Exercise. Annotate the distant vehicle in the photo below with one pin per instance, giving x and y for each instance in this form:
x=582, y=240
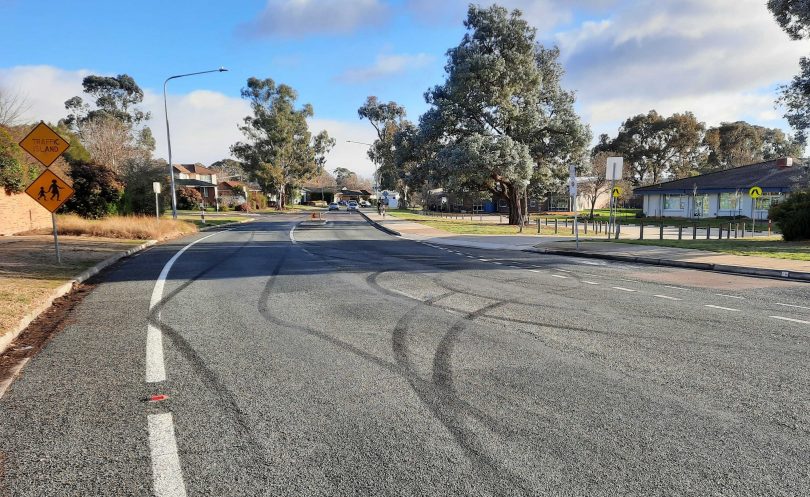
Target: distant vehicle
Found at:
x=343, y=202
x=365, y=203
x=352, y=206
x=334, y=207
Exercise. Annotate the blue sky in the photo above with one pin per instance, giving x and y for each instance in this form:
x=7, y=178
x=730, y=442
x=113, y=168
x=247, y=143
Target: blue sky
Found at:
x=720, y=59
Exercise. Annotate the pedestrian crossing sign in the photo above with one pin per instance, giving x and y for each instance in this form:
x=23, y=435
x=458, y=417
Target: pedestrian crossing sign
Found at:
x=49, y=190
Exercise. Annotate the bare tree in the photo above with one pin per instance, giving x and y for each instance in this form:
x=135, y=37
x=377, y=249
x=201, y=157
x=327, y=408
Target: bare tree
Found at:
x=12, y=107
x=110, y=142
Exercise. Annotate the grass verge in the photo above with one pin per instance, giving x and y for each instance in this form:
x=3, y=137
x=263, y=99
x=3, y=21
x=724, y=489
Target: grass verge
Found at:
x=29, y=271
x=125, y=227
x=463, y=227
x=762, y=247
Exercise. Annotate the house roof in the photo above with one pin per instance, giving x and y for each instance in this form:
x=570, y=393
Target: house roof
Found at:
x=193, y=182
x=193, y=169
x=771, y=176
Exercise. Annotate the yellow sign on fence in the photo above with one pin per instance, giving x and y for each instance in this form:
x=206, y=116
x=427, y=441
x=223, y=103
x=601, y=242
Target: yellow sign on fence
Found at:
x=49, y=190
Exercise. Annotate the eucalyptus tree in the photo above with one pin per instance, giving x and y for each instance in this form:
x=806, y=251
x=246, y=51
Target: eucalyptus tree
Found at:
x=280, y=152
x=501, y=115
x=386, y=119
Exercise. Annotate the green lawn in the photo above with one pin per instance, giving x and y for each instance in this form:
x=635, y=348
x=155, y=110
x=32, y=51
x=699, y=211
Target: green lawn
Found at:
x=464, y=227
x=763, y=247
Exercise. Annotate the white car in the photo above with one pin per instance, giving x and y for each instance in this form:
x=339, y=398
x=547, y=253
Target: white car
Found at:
x=352, y=206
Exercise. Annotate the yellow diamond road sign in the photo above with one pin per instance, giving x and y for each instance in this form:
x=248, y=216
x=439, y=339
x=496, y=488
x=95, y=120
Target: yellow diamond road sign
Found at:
x=44, y=144
x=617, y=192
x=49, y=190
x=755, y=192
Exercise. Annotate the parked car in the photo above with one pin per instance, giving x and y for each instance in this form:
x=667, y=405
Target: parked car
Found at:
x=365, y=203
x=352, y=206
x=334, y=207
x=343, y=202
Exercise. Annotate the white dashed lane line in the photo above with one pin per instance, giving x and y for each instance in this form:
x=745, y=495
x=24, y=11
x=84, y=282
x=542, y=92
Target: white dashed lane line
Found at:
x=721, y=307
x=793, y=305
x=559, y=276
x=534, y=270
x=623, y=289
x=791, y=320
x=590, y=282
x=666, y=297
x=676, y=288
x=729, y=296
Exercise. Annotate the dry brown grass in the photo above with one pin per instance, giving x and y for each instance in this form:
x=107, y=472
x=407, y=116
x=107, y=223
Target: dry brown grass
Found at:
x=127, y=227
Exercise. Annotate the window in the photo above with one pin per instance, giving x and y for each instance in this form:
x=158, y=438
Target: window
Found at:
x=674, y=202
x=729, y=201
x=767, y=200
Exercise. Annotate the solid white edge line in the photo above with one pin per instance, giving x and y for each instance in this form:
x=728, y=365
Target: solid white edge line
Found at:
x=623, y=289
x=720, y=307
x=155, y=365
x=292, y=234
x=791, y=320
x=666, y=297
x=167, y=476
x=793, y=305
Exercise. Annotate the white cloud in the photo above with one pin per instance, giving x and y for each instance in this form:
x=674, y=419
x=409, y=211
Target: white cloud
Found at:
x=542, y=14
x=352, y=156
x=298, y=18
x=386, y=65
x=719, y=59
x=203, y=123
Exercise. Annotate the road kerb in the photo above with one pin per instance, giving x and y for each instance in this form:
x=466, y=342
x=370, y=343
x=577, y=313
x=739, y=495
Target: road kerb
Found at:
x=703, y=266
x=379, y=226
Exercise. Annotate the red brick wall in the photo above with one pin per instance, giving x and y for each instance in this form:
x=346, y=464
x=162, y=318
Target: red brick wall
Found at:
x=19, y=212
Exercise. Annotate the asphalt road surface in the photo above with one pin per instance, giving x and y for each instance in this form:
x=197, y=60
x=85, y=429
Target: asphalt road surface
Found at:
x=338, y=360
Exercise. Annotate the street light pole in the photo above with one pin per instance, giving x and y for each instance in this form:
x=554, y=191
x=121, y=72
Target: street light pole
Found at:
x=376, y=170
x=168, y=135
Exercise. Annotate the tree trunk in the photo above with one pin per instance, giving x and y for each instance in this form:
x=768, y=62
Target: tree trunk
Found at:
x=593, y=205
x=282, y=197
x=515, y=209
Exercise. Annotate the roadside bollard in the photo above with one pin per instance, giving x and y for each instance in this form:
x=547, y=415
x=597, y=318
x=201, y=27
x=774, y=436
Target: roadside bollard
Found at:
x=566, y=222
x=694, y=231
x=736, y=230
x=743, y=231
x=720, y=232
x=586, y=226
x=769, y=227
x=680, y=232
x=708, y=232
x=555, y=226
x=728, y=233
x=538, y=226
x=661, y=231
x=641, y=230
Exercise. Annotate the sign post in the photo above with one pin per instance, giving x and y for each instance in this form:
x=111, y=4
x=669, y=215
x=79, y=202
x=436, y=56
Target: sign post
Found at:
x=156, y=189
x=755, y=192
x=613, y=171
x=572, y=190
x=45, y=145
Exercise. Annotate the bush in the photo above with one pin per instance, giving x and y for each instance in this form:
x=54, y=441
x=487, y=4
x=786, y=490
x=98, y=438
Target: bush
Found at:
x=97, y=191
x=188, y=199
x=242, y=207
x=15, y=174
x=793, y=216
x=139, y=197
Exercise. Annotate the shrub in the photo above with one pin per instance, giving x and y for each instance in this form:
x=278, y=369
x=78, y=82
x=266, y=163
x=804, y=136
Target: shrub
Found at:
x=188, y=198
x=15, y=174
x=793, y=216
x=139, y=198
x=97, y=190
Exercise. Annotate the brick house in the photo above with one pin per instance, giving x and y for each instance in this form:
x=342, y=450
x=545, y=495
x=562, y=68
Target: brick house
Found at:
x=199, y=177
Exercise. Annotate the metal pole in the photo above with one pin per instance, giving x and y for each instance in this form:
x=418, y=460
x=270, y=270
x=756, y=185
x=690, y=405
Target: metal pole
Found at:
x=157, y=209
x=56, y=239
x=576, y=222
x=168, y=135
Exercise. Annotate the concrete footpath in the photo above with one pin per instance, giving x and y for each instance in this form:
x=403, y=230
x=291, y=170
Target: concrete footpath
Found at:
x=644, y=254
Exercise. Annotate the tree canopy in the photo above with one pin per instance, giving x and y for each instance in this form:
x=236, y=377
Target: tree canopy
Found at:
x=279, y=152
x=114, y=97
x=502, y=113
